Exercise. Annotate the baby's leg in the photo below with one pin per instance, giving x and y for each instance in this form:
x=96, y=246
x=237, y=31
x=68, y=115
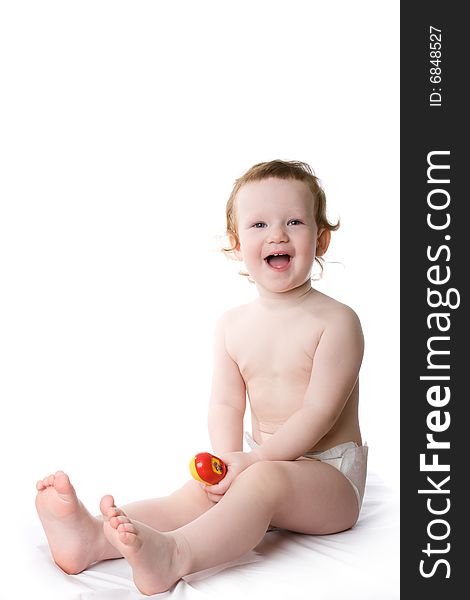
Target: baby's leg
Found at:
x=305, y=496
x=170, y=512
x=76, y=538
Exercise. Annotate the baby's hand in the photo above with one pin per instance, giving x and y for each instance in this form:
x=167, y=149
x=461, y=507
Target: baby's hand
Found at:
x=236, y=463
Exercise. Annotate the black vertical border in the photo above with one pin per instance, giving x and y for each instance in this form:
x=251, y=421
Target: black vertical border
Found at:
x=424, y=129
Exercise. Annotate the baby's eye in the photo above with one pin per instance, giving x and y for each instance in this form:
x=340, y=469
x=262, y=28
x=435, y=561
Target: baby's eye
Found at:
x=295, y=222
x=259, y=225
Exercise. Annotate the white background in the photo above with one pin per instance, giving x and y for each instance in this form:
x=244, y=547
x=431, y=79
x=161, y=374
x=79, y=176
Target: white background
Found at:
x=124, y=126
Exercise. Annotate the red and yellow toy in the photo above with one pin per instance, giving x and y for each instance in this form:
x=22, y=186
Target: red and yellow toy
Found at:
x=207, y=468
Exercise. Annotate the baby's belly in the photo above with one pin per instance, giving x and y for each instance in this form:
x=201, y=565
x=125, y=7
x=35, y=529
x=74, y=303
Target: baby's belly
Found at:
x=263, y=431
x=267, y=417
x=271, y=405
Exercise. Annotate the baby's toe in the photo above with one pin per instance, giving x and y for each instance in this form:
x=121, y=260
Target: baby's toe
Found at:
x=120, y=512
x=114, y=511
x=107, y=506
x=62, y=483
x=128, y=538
x=128, y=533
x=48, y=481
x=127, y=527
x=116, y=521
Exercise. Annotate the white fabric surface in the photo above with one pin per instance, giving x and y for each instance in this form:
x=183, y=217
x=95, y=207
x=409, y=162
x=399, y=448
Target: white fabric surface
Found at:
x=361, y=563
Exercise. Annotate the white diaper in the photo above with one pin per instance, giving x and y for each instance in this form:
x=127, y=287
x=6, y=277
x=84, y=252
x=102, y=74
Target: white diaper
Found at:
x=349, y=458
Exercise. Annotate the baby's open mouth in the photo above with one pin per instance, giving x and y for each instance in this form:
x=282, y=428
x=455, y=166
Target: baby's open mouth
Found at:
x=278, y=261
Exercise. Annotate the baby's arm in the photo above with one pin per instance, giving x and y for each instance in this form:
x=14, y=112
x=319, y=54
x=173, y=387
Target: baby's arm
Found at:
x=335, y=370
x=228, y=399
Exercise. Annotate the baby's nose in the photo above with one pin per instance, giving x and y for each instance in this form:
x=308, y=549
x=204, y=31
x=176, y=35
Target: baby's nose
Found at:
x=277, y=234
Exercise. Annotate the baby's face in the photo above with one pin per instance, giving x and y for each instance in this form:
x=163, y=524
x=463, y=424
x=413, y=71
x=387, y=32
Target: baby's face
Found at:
x=277, y=232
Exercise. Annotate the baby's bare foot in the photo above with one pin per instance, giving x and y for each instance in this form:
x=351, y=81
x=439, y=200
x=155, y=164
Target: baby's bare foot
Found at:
x=155, y=557
x=75, y=537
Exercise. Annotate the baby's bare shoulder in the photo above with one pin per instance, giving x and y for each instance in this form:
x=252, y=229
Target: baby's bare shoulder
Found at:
x=234, y=316
x=334, y=313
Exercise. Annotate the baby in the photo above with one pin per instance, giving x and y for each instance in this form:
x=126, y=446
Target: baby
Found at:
x=296, y=354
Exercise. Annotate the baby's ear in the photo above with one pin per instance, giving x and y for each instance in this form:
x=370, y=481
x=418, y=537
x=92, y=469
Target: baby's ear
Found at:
x=235, y=244
x=323, y=241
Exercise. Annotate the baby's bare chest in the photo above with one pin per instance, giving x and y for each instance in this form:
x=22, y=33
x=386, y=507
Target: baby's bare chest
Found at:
x=274, y=348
